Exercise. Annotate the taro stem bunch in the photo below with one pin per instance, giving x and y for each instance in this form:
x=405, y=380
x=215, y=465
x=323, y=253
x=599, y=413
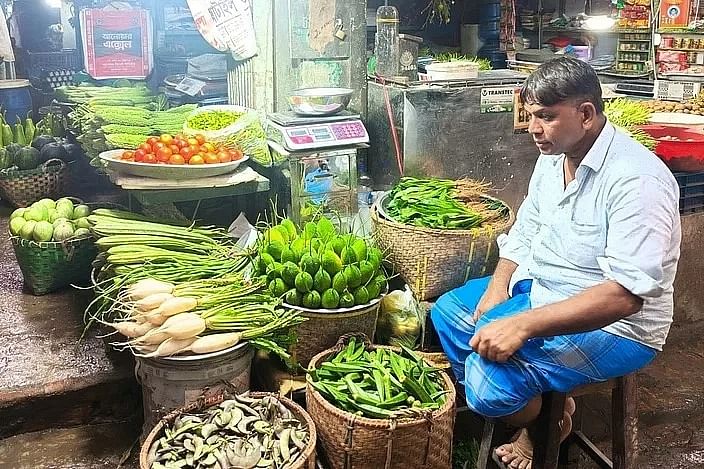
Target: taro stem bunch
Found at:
x=443, y=203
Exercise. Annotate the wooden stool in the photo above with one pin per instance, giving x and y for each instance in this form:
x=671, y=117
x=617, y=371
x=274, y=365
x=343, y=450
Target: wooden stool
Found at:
x=548, y=452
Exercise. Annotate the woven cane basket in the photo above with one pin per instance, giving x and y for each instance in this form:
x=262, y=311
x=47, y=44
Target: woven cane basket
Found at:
x=323, y=328
x=23, y=188
x=352, y=442
x=305, y=461
x=51, y=266
x=434, y=261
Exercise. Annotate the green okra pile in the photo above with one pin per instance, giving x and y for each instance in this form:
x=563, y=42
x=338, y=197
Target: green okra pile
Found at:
x=379, y=384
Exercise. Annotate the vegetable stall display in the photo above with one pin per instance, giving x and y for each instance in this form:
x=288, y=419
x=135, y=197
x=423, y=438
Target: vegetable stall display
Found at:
x=174, y=290
x=381, y=383
x=49, y=220
x=376, y=406
x=334, y=279
x=23, y=145
x=104, y=125
x=442, y=204
x=105, y=95
x=439, y=232
x=627, y=115
x=244, y=431
x=33, y=160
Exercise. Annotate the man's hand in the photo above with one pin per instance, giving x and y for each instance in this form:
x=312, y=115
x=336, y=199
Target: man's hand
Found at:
x=500, y=339
x=492, y=297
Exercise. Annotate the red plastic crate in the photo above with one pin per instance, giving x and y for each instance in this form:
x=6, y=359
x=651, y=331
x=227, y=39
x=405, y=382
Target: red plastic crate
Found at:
x=684, y=154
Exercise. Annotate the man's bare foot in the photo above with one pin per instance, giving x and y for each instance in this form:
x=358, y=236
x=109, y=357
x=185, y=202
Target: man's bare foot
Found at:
x=519, y=453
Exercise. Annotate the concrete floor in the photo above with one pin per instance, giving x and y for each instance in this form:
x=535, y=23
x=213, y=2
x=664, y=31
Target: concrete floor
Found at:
x=65, y=404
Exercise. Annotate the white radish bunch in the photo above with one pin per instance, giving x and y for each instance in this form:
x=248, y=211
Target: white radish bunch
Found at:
x=147, y=287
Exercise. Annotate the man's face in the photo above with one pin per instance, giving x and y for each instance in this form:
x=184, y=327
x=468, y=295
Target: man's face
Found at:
x=557, y=129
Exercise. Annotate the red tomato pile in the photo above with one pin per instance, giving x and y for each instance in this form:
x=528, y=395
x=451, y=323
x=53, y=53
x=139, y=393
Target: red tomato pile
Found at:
x=178, y=149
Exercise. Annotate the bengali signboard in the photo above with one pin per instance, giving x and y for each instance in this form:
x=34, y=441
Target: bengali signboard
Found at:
x=117, y=44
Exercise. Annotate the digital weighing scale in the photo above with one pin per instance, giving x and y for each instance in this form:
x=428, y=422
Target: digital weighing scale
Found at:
x=300, y=133
x=318, y=156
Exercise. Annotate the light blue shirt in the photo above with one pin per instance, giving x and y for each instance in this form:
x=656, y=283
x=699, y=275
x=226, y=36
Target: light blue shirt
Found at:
x=617, y=220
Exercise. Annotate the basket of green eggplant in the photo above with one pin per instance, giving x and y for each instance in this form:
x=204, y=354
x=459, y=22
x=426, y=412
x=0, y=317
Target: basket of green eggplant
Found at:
x=251, y=430
x=377, y=406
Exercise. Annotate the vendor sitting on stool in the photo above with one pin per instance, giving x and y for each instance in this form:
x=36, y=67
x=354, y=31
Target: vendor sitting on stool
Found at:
x=583, y=288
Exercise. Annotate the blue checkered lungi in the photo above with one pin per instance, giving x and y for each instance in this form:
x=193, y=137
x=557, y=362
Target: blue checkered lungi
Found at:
x=558, y=363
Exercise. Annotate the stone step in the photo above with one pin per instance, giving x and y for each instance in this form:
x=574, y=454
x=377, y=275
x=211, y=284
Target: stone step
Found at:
x=48, y=376
x=84, y=447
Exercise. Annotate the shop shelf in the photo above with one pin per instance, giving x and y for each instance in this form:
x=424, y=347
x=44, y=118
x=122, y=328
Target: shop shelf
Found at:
x=40, y=62
x=680, y=49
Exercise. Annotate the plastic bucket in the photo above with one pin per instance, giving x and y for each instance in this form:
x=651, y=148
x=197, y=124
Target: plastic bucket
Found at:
x=171, y=383
x=15, y=99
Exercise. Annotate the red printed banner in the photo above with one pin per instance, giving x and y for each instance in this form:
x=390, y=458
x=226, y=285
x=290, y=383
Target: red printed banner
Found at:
x=117, y=44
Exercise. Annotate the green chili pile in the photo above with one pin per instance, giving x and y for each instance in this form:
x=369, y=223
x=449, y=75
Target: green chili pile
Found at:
x=379, y=384
x=443, y=204
x=213, y=120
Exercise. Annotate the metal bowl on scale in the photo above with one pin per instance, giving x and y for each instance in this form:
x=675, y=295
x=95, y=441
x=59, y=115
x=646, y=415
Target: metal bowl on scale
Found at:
x=319, y=101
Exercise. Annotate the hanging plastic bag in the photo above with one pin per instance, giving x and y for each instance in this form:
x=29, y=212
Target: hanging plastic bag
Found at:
x=399, y=319
x=245, y=133
x=226, y=25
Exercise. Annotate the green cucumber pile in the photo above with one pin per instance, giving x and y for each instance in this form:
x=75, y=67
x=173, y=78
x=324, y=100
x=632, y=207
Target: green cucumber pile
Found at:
x=380, y=383
x=319, y=267
x=49, y=220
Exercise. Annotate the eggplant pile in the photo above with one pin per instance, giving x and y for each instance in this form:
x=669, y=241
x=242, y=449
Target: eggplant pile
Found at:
x=242, y=432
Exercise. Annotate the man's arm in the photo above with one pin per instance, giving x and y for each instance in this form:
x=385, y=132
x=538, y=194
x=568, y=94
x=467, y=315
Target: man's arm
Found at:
x=497, y=291
x=591, y=309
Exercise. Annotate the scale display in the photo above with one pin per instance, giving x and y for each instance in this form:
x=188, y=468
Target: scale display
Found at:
x=320, y=135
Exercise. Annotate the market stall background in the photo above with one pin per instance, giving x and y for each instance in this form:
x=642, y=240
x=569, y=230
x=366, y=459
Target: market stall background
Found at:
x=416, y=122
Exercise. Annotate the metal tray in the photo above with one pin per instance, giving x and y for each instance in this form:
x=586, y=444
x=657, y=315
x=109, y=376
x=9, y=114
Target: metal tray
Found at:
x=166, y=171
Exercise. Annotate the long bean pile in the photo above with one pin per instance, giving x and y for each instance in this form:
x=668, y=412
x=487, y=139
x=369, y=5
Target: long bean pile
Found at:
x=380, y=383
x=176, y=289
x=443, y=204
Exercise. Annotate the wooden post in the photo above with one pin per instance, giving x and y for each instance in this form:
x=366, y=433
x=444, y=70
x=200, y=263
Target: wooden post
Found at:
x=624, y=422
x=546, y=431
